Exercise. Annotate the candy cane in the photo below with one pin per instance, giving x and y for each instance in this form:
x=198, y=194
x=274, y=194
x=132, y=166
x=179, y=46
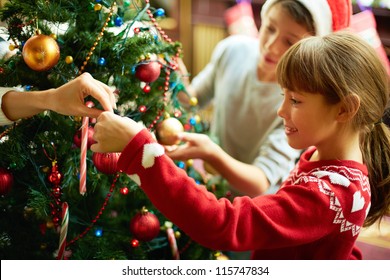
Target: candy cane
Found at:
x=172, y=243
x=83, y=152
x=83, y=156
x=64, y=230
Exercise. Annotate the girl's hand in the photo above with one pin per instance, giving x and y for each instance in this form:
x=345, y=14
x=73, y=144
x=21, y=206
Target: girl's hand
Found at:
x=197, y=146
x=113, y=132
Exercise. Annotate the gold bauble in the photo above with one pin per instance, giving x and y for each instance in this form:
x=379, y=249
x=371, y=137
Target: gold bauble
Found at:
x=193, y=101
x=69, y=59
x=221, y=257
x=167, y=131
x=41, y=52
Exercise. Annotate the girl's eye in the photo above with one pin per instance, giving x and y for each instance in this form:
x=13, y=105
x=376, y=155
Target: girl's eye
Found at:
x=289, y=43
x=293, y=101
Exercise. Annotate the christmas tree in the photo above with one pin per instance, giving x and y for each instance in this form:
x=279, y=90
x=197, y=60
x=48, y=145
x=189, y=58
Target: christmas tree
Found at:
x=47, y=211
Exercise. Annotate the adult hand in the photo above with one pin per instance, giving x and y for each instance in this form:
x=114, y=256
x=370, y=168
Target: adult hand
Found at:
x=68, y=99
x=113, y=132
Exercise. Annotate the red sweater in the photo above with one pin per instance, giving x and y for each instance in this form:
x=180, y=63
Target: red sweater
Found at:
x=317, y=213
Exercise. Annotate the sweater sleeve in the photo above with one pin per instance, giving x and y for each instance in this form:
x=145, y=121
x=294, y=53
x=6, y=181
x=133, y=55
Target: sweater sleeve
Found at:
x=3, y=119
x=287, y=218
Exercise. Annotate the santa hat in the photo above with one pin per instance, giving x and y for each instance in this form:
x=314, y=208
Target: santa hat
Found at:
x=328, y=15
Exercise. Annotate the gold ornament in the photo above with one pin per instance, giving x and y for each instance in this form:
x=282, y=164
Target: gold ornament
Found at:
x=220, y=256
x=197, y=118
x=78, y=119
x=41, y=52
x=97, y=7
x=69, y=59
x=193, y=101
x=167, y=131
x=49, y=224
x=177, y=234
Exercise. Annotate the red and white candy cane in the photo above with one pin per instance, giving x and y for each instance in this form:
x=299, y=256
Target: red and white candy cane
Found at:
x=173, y=244
x=64, y=230
x=83, y=152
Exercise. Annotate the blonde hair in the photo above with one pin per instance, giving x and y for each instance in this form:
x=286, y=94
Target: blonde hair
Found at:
x=339, y=65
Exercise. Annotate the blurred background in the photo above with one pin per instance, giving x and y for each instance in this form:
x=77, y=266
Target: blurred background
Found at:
x=200, y=24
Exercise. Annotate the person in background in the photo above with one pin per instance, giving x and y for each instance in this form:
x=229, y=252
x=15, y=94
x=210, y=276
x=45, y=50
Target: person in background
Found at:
x=67, y=99
x=240, y=80
x=335, y=91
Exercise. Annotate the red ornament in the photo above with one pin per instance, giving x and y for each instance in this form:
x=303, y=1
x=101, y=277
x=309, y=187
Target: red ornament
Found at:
x=134, y=243
x=146, y=89
x=142, y=108
x=55, y=176
x=148, y=72
x=145, y=226
x=6, y=181
x=124, y=191
x=187, y=127
x=106, y=162
x=77, y=137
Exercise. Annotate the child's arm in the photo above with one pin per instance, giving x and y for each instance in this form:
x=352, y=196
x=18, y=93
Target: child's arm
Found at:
x=246, y=178
x=246, y=224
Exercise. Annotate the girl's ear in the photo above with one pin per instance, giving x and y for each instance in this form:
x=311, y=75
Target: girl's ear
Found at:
x=349, y=108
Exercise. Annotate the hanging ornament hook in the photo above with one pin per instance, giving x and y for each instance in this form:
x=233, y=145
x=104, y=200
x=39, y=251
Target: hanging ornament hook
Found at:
x=46, y=153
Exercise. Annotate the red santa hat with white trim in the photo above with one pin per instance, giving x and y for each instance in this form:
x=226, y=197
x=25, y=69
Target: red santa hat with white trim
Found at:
x=328, y=15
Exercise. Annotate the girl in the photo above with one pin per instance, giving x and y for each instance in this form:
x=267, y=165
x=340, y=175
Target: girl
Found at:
x=335, y=91
x=240, y=80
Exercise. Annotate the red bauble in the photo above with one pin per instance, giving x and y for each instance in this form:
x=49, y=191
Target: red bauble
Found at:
x=106, y=162
x=145, y=226
x=6, y=181
x=148, y=72
x=90, y=141
x=55, y=177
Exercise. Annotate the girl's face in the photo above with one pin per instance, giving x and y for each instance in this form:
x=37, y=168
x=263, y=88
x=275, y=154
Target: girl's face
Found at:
x=278, y=32
x=309, y=120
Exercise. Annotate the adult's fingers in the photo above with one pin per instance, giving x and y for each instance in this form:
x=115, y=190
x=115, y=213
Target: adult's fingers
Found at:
x=101, y=92
x=110, y=93
x=92, y=112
